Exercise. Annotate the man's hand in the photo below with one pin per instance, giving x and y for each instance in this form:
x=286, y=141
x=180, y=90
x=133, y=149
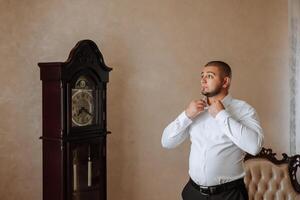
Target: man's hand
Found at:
x=195, y=108
x=215, y=108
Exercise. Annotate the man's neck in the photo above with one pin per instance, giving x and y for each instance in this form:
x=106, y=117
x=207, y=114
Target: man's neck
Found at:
x=219, y=96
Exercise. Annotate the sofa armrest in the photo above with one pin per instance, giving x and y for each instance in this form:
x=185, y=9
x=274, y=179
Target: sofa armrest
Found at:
x=269, y=178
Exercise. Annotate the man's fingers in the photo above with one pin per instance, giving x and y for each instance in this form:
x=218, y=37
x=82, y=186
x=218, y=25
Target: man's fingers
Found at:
x=197, y=101
x=201, y=102
x=204, y=102
x=201, y=105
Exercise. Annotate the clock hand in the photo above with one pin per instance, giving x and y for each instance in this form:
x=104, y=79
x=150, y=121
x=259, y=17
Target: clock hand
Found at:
x=80, y=111
x=85, y=110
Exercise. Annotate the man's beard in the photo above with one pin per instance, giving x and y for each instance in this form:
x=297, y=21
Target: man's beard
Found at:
x=212, y=93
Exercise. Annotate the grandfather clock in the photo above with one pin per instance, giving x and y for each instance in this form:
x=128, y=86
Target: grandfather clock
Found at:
x=74, y=125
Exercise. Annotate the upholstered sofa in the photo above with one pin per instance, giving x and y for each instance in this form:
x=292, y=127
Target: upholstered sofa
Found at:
x=268, y=178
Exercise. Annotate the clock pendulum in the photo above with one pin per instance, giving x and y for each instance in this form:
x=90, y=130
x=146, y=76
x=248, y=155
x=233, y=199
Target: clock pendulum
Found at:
x=89, y=168
x=75, y=164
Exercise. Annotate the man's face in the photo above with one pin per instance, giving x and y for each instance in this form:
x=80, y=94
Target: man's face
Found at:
x=211, y=81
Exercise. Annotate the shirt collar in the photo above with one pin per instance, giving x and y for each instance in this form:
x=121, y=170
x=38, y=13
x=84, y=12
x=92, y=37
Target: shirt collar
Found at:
x=227, y=100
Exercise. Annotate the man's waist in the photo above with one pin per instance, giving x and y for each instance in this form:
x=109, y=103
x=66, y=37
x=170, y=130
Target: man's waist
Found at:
x=209, y=176
x=216, y=189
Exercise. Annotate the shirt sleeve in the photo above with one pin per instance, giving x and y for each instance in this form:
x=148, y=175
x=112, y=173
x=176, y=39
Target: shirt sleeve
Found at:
x=246, y=133
x=176, y=132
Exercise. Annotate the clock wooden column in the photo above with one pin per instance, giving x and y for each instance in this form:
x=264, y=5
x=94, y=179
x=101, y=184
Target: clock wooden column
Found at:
x=74, y=125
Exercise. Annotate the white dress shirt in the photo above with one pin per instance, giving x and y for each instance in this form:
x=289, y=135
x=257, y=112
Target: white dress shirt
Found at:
x=218, y=145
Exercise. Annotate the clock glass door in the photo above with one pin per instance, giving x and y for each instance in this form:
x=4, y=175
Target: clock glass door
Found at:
x=87, y=170
x=83, y=102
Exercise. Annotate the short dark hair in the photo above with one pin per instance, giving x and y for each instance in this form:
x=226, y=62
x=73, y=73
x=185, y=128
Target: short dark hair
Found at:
x=221, y=65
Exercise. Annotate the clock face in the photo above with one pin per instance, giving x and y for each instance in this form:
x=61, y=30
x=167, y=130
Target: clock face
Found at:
x=83, y=104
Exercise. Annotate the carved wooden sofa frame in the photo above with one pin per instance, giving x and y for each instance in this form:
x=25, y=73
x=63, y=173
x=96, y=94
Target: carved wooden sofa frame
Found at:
x=268, y=178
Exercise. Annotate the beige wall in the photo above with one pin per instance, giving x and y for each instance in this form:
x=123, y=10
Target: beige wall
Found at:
x=157, y=49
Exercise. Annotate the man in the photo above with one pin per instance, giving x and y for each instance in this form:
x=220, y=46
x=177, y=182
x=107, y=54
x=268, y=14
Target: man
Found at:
x=221, y=130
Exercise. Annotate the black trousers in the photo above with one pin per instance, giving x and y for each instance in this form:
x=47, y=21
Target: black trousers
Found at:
x=189, y=192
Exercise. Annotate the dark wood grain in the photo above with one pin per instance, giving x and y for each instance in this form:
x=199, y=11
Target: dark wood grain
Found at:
x=60, y=139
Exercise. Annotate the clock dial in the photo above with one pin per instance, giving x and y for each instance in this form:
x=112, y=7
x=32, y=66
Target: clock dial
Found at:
x=82, y=108
x=83, y=103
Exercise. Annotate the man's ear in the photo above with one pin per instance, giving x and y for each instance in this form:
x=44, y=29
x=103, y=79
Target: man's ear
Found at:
x=226, y=82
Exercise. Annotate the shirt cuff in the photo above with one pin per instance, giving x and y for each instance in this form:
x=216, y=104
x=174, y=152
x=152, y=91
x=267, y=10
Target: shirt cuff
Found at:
x=222, y=116
x=181, y=123
x=184, y=119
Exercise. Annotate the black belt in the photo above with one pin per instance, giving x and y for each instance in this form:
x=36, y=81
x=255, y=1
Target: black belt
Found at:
x=216, y=189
